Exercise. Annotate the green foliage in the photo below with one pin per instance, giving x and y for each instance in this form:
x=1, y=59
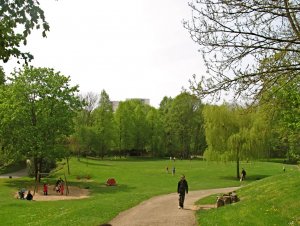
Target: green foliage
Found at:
x=234, y=133
x=17, y=20
x=132, y=127
x=39, y=105
x=282, y=103
x=2, y=76
x=155, y=126
x=104, y=125
x=185, y=120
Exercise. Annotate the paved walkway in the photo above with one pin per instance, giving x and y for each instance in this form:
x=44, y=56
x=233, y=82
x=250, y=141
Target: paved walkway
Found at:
x=163, y=210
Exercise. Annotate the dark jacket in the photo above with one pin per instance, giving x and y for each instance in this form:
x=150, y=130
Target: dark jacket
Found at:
x=182, y=186
x=29, y=196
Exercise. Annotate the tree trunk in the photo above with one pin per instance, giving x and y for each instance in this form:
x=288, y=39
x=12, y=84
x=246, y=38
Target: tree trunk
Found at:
x=68, y=166
x=36, y=170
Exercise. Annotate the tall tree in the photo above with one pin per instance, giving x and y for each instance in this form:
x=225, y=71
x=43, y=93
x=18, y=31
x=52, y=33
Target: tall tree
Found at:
x=83, y=137
x=184, y=114
x=235, y=36
x=232, y=133
x=155, y=125
x=124, y=127
x=39, y=104
x=168, y=137
x=17, y=20
x=104, y=126
x=284, y=106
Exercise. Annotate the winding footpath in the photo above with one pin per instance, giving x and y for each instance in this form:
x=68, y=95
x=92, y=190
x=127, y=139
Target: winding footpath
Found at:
x=163, y=210
x=157, y=211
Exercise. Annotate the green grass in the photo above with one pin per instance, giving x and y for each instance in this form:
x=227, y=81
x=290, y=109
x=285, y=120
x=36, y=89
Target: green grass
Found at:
x=271, y=201
x=137, y=179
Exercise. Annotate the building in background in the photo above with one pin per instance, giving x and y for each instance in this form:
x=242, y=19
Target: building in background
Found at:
x=115, y=104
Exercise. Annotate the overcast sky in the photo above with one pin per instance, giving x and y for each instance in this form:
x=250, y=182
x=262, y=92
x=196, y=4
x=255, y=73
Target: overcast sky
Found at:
x=131, y=49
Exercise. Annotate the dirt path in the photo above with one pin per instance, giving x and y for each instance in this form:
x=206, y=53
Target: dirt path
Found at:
x=163, y=210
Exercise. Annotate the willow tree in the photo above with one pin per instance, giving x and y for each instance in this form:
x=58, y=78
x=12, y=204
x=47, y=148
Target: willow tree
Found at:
x=36, y=112
x=220, y=123
x=234, y=134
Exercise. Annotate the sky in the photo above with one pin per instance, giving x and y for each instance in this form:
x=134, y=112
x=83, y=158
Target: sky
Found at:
x=130, y=49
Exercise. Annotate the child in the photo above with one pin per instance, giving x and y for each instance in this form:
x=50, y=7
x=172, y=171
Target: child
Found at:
x=45, y=189
x=62, y=187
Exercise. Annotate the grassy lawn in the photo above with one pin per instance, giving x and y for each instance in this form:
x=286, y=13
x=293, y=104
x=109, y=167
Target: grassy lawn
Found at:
x=272, y=201
x=137, y=179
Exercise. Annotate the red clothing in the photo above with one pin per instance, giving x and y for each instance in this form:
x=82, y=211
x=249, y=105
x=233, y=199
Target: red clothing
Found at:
x=62, y=189
x=45, y=188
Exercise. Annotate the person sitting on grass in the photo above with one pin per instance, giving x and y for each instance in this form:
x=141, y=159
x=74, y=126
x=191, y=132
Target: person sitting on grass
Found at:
x=22, y=193
x=29, y=196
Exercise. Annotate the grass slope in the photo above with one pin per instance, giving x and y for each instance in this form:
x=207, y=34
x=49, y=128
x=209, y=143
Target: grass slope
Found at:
x=271, y=201
x=137, y=180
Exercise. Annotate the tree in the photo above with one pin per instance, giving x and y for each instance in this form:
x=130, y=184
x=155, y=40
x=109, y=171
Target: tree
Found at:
x=104, y=124
x=84, y=122
x=2, y=76
x=132, y=128
x=185, y=113
x=155, y=126
x=124, y=127
x=233, y=133
x=284, y=106
x=237, y=35
x=17, y=20
x=36, y=112
x=168, y=138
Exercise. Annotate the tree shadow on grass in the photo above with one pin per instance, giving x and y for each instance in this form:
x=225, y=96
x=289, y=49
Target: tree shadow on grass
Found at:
x=93, y=163
x=248, y=178
x=94, y=187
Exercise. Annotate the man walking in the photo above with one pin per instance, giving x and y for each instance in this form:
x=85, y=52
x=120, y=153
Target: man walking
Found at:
x=182, y=188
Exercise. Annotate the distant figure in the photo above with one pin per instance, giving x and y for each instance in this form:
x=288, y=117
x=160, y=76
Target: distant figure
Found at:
x=243, y=174
x=173, y=171
x=62, y=187
x=167, y=169
x=29, y=196
x=182, y=188
x=45, y=189
x=283, y=169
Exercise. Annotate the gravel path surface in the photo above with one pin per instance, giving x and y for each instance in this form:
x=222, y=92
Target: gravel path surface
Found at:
x=163, y=210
